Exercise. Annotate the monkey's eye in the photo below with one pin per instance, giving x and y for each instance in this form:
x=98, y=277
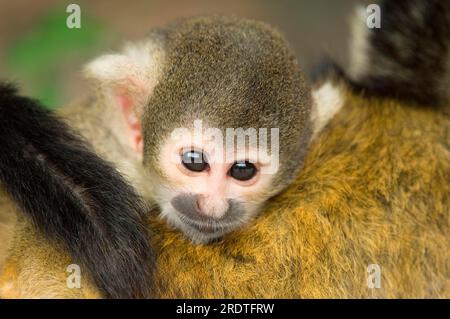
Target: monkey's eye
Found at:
x=243, y=171
x=194, y=161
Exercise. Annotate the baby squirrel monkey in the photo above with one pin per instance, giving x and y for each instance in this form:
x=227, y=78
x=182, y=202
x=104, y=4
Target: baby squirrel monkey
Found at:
x=374, y=188
x=234, y=78
x=193, y=103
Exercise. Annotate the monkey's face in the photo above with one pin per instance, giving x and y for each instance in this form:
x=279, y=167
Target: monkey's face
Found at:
x=230, y=73
x=208, y=190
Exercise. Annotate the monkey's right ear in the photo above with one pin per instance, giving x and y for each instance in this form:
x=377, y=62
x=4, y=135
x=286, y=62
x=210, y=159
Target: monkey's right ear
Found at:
x=127, y=80
x=328, y=99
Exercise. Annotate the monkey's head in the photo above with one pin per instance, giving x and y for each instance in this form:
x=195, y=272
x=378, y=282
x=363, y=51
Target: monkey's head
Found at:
x=218, y=112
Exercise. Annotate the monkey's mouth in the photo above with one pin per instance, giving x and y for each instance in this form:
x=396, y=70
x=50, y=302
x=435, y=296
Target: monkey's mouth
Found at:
x=207, y=228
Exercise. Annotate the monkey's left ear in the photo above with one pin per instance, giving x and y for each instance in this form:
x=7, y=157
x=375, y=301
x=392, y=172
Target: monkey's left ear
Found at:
x=127, y=80
x=328, y=99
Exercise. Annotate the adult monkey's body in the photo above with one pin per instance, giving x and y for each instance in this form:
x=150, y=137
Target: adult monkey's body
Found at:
x=374, y=191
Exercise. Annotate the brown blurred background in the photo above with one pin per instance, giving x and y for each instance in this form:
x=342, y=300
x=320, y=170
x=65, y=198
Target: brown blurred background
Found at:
x=30, y=47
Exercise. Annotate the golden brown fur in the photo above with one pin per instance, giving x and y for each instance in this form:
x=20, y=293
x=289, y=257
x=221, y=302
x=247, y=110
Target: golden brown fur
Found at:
x=374, y=190
x=7, y=223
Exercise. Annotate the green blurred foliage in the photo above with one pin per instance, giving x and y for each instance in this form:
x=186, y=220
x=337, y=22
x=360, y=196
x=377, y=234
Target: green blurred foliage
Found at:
x=39, y=55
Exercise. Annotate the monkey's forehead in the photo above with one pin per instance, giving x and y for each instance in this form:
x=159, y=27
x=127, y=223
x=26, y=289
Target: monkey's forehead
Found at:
x=230, y=103
x=223, y=110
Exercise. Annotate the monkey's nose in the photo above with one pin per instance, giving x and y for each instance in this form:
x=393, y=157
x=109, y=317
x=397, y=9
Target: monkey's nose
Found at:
x=209, y=206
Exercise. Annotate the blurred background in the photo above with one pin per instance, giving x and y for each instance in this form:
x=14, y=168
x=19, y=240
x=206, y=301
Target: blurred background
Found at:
x=44, y=57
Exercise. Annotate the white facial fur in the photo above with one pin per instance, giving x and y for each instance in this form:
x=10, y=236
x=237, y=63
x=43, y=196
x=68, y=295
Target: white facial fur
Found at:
x=328, y=100
x=214, y=186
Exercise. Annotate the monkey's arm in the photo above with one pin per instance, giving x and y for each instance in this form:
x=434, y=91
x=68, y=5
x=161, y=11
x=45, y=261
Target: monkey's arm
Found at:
x=73, y=197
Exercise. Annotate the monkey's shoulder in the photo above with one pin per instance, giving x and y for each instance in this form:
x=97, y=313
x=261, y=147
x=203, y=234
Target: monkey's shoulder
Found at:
x=378, y=166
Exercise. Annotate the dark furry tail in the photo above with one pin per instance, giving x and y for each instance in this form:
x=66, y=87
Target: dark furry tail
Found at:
x=74, y=197
x=409, y=56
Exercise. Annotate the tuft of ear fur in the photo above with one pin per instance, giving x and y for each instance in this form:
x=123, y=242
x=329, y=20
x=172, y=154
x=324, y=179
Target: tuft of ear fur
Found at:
x=328, y=93
x=408, y=58
x=127, y=80
x=328, y=99
x=138, y=66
